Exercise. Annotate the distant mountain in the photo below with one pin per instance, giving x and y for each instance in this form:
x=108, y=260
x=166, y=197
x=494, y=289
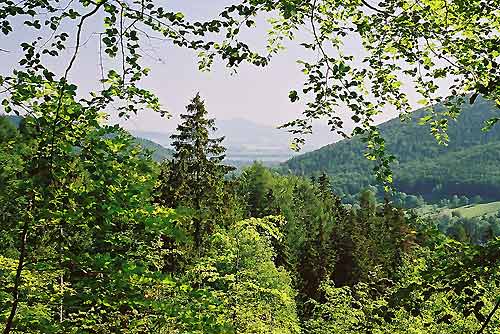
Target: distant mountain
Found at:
x=468, y=166
x=158, y=152
x=247, y=141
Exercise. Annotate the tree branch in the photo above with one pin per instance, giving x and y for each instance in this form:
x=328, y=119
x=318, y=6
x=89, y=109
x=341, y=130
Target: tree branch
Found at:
x=490, y=315
x=66, y=73
x=364, y=2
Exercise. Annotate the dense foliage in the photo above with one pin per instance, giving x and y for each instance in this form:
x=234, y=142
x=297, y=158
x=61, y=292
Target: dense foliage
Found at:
x=121, y=244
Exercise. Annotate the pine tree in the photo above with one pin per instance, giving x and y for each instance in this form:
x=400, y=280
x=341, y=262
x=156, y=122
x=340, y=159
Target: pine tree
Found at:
x=194, y=177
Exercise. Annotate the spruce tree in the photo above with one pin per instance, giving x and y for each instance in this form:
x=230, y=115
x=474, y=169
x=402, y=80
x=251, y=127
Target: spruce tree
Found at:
x=194, y=177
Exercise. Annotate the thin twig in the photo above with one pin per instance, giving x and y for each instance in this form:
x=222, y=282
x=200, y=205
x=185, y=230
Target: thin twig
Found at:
x=122, y=47
x=63, y=85
x=101, y=65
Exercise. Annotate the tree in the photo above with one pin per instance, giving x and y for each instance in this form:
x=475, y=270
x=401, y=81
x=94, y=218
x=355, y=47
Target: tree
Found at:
x=7, y=129
x=368, y=202
x=80, y=241
x=240, y=288
x=455, y=202
x=316, y=254
x=369, y=241
x=457, y=232
x=339, y=313
x=464, y=200
x=256, y=185
x=194, y=177
x=477, y=199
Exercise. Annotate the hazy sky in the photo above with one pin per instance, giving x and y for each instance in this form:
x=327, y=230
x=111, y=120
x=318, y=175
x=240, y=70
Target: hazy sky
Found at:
x=257, y=94
x=254, y=93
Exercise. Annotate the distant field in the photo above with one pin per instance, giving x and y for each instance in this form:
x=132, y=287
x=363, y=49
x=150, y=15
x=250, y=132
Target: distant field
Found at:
x=468, y=211
x=477, y=210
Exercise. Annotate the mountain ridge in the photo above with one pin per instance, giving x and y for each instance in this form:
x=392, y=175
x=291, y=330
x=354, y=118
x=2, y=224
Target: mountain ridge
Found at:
x=423, y=166
x=158, y=152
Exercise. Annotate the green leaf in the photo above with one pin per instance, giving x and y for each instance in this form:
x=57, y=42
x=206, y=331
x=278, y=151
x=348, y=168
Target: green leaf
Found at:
x=293, y=96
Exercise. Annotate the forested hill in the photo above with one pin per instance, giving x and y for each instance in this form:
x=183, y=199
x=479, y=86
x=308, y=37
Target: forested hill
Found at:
x=467, y=166
x=158, y=152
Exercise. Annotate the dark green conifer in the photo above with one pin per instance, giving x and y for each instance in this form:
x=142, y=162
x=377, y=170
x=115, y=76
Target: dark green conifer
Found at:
x=194, y=177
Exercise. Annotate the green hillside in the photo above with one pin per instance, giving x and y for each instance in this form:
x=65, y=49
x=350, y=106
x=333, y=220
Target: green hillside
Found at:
x=466, y=211
x=467, y=166
x=158, y=152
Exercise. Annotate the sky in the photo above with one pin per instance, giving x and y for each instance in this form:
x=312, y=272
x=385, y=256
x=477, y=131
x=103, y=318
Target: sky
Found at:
x=254, y=93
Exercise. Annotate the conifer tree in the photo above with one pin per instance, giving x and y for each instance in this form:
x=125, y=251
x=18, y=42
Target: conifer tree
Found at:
x=316, y=254
x=194, y=177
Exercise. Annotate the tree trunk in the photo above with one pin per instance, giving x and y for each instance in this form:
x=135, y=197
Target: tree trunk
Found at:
x=197, y=233
x=17, y=282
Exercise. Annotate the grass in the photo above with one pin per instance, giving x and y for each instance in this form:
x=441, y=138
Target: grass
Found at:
x=468, y=211
x=477, y=210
